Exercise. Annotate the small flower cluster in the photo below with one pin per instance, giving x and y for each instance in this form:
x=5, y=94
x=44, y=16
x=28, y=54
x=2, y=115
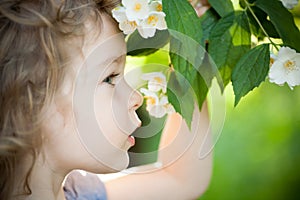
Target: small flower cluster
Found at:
x=285, y=67
x=289, y=4
x=157, y=103
x=144, y=15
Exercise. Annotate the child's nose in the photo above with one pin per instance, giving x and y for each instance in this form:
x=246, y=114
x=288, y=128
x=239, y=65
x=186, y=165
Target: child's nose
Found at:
x=136, y=100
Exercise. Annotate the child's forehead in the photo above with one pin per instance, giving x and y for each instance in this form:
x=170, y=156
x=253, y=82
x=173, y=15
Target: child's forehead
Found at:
x=111, y=50
x=105, y=36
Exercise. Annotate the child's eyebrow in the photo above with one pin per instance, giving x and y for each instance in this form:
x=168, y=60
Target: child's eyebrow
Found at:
x=113, y=59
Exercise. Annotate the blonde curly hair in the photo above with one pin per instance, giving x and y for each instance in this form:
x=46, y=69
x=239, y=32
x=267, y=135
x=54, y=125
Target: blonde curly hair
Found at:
x=32, y=60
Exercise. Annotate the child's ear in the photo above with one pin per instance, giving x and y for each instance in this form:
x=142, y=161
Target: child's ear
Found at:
x=59, y=113
x=53, y=121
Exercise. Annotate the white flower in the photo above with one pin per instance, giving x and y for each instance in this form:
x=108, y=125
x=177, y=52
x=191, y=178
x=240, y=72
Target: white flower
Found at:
x=156, y=81
x=289, y=4
x=286, y=68
x=144, y=15
x=155, y=105
x=119, y=14
x=128, y=27
x=156, y=6
x=136, y=9
x=273, y=58
x=156, y=20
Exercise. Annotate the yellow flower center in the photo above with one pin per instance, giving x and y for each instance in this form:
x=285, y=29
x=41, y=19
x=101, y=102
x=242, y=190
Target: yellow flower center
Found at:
x=272, y=60
x=159, y=7
x=137, y=7
x=152, y=19
x=158, y=79
x=290, y=65
x=132, y=23
x=150, y=100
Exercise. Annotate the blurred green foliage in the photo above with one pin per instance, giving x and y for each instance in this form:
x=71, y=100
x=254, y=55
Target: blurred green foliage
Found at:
x=258, y=153
x=257, y=156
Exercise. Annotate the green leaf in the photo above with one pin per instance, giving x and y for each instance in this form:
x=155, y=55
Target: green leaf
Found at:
x=181, y=17
x=208, y=20
x=186, y=32
x=139, y=46
x=174, y=91
x=183, y=60
x=186, y=53
x=182, y=101
x=229, y=40
x=187, y=102
x=267, y=24
x=200, y=87
x=223, y=7
x=283, y=21
x=250, y=71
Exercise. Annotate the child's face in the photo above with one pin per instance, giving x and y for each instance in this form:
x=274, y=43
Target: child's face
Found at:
x=97, y=106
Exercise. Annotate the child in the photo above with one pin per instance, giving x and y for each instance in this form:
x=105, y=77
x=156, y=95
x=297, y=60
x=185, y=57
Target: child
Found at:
x=60, y=63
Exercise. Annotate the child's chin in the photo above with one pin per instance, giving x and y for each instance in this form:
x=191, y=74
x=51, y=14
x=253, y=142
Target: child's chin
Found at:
x=120, y=165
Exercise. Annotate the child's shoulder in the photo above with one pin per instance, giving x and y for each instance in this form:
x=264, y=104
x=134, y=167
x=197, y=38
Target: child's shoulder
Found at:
x=83, y=185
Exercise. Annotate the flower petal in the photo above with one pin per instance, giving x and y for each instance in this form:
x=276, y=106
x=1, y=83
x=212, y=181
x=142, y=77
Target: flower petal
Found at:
x=277, y=73
x=163, y=100
x=128, y=27
x=156, y=81
x=136, y=9
x=286, y=68
x=119, y=14
x=156, y=6
x=289, y=4
x=148, y=93
x=286, y=53
x=170, y=109
x=293, y=78
x=158, y=111
x=155, y=19
x=147, y=32
x=152, y=75
x=161, y=24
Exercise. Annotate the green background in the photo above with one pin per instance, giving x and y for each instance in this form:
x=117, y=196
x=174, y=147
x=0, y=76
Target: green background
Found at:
x=258, y=153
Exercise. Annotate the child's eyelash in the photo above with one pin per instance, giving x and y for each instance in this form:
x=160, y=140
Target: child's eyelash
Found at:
x=111, y=79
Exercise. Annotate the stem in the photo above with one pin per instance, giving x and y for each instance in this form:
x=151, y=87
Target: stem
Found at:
x=260, y=25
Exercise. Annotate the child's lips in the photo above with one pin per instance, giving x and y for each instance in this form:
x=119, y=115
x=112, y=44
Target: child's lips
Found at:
x=138, y=123
x=131, y=140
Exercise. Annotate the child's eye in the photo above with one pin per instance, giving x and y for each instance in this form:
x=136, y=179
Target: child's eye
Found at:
x=111, y=79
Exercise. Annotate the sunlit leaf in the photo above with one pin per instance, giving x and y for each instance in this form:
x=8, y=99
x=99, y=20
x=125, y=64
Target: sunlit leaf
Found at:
x=265, y=22
x=283, y=21
x=250, y=71
x=174, y=91
x=181, y=16
x=229, y=40
x=222, y=7
x=186, y=53
x=182, y=101
x=208, y=20
x=200, y=87
x=139, y=46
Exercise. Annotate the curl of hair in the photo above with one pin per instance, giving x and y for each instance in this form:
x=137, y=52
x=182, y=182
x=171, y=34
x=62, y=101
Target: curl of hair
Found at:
x=32, y=60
